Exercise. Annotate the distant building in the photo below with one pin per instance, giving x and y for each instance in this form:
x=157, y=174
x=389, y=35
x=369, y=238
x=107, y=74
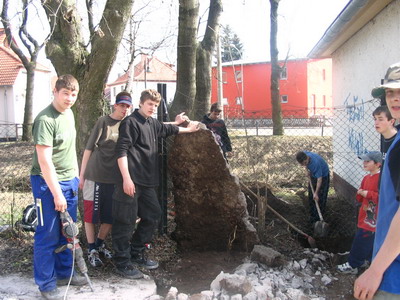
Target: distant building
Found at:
x=363, y=41
x=149, y=73
x=305, y=88
x=13, y=87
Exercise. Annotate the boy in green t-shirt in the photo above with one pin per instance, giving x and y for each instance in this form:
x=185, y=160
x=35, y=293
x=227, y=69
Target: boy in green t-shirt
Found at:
x=55, y=185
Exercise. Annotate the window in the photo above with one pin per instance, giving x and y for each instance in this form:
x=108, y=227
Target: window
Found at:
x=224, y=78
x=324, y=101
x=122, y=88
x=114, y=91
x=283, y=74
x=323, y=74
x=238, y=76
x=284, y=99
x=238, y=100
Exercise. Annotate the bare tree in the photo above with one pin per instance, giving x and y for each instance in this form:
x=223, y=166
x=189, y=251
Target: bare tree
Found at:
x=275, y=71
x=205, y=53
x=33, y=47
x=193, y=88
x=89, y=61
x=186, y=57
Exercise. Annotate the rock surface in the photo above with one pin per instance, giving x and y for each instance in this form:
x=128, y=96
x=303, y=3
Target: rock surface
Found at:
x=211, y=211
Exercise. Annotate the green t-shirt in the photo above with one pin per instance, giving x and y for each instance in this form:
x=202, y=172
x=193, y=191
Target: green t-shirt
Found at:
x=57, y=130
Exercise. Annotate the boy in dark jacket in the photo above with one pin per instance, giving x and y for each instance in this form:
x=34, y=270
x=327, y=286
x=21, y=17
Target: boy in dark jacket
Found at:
x=217, y=126
x=137, y=159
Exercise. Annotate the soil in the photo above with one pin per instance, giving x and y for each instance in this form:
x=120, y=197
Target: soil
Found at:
x=191, y=272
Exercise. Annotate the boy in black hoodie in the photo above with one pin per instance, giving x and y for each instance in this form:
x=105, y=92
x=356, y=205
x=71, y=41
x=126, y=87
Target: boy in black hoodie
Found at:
x=217, y=126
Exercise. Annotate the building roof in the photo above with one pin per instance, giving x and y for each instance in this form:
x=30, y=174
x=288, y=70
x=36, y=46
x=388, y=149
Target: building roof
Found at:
x=156, y=70
x=355, y=15
x=10, y=64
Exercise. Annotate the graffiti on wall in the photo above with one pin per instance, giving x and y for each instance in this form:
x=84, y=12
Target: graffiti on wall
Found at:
x=355, y=112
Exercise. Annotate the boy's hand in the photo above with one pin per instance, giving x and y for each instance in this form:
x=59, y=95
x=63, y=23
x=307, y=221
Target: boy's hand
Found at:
x=315, y=196
x=362, y=192
x=367, y=284
x=193, y=126
x=129, y=187
x=179, y=119
x=81, y=182
x=60, y=204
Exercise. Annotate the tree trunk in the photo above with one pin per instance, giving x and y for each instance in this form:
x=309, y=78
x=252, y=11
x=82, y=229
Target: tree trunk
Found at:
x=204, y=60
x=28, y=119
x=67, y=52
x=186, y=59
x=275, y=72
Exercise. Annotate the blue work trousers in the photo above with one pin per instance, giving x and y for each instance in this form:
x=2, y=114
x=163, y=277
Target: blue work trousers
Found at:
x=48, y=265
x=361, y=249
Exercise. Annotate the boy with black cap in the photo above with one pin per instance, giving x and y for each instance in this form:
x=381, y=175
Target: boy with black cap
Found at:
x=381, y=280
x=97, y=177
x=367, y=196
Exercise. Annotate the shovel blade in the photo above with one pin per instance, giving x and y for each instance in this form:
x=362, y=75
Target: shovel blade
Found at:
x=321, y=229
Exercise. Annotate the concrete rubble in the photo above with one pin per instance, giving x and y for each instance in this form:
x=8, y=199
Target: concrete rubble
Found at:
x=306, y=279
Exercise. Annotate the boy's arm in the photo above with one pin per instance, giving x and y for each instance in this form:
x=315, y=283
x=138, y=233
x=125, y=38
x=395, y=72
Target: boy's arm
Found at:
x=179, y=119
x=49, y=174
x=193, y=126
x=128, y=185
x=226, y=140
x=317, y=188
x=86, y=155
x=368, y=283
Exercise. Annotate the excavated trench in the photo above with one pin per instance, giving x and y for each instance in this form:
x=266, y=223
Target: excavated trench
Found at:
x=340, y=215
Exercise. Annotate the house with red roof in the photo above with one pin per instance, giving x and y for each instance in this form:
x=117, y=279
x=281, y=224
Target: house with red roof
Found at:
x=13, y=87
x=148, y=73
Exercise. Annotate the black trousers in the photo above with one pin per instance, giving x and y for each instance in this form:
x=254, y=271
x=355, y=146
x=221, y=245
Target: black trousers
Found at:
x=126, y=209
x=322, y=195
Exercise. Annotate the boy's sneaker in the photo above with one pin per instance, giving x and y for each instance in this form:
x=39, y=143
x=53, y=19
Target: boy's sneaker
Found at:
x=76, y=280
x=105, y=252
x=94, y=258
x=53, y=295
x=129, y=271
x=140, y=259
x=347, y=269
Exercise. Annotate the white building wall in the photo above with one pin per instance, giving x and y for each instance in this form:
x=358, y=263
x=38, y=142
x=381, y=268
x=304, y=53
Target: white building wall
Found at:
x=358, y=66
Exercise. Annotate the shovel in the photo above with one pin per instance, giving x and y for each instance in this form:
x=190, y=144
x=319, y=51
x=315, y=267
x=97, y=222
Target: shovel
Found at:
x=321, y=228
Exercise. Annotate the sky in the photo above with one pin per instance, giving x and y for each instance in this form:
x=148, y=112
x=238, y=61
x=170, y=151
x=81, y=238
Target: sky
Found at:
x=301, y=23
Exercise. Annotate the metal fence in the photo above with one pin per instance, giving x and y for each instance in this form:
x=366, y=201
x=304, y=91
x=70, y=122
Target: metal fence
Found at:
x=260, y=159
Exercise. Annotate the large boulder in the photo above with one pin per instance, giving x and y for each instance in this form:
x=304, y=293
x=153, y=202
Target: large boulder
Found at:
x=211, y=211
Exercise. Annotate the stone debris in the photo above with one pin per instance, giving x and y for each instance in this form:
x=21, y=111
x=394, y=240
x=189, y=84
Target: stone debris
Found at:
x=306, y=279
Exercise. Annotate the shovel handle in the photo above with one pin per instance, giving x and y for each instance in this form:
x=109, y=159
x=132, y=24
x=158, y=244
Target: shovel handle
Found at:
x=316, y=201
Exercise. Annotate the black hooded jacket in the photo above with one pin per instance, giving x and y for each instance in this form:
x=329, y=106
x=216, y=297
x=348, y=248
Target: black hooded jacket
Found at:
x=221, y=134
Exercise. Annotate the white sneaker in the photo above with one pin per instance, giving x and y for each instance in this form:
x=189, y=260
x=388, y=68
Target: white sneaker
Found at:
x=105, y=252
x=347, y=269
x=94, y=258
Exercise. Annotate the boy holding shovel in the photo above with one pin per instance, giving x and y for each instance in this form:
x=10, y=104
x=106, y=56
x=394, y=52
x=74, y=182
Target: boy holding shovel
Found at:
x=318, y=185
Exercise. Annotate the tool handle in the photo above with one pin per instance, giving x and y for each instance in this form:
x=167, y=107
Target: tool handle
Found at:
x=316, y=201
x=275, y=212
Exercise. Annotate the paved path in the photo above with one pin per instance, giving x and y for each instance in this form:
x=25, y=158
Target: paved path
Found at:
x=16, y=287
